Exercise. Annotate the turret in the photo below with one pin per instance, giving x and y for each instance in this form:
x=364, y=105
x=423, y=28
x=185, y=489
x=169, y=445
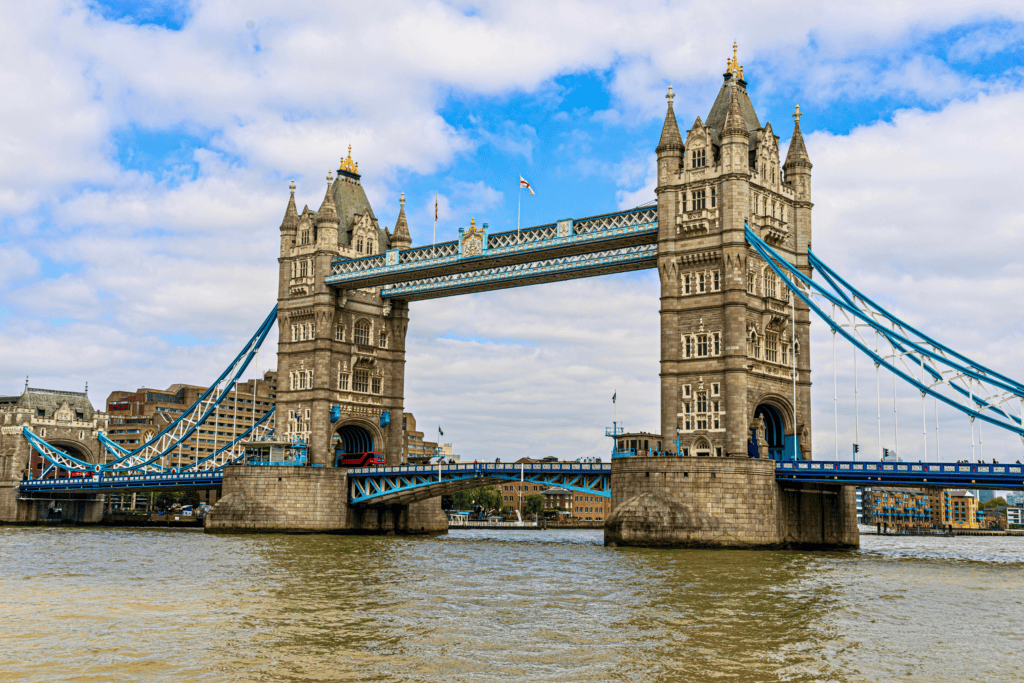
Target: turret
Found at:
x=290, y=223
x=735, y=138
x=798, y=164
x=401, y=239
x=670, y=146
x=327, y=221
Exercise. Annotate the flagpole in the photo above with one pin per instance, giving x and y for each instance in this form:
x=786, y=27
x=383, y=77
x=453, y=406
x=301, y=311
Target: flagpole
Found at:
x=435, y=218
x=519, y=214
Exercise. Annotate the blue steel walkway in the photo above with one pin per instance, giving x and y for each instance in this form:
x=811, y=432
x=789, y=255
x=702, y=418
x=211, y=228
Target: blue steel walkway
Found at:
x=411, y=483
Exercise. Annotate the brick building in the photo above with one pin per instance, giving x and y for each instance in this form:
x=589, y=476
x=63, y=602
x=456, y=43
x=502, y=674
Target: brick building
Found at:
x=897, y=508
x=957, y=509
x=136, y=417
x=415, y=450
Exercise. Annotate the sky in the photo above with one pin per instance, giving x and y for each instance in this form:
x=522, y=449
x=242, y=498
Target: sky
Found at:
x=147, y=149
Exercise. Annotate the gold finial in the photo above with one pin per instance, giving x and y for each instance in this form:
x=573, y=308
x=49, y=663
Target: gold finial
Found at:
x=348, y=165
x=472, y=223
x=733, y=65
x=797, y=115
x=291, y=186
x=741, y=72
x=671, y=95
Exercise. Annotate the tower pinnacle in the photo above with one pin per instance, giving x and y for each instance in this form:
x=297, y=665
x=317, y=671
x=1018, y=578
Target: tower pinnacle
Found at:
x=670, y=137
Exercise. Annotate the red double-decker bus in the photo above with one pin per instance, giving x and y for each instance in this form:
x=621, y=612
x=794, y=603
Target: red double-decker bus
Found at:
x=358, y=459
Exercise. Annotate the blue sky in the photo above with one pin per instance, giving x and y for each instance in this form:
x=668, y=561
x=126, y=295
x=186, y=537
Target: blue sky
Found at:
x=149, y=148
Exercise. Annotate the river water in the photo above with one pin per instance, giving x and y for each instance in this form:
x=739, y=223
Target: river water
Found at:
x=480, y=605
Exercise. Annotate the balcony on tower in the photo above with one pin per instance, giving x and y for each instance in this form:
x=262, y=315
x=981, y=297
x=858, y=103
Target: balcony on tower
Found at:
x=772, y=230
x=701, y=221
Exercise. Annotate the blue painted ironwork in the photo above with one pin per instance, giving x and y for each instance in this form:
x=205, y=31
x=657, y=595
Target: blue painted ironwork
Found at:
x=563, y=238
x=561, y=268
x=916, y=474
x=409, y=483
x=918, y=360
x=385, y=418
x=111, y=482
x=335, y=414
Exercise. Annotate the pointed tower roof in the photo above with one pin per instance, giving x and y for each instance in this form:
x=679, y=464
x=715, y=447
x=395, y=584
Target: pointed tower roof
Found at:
x=327, y=212
x=670, y=137
x=291, y=215
x=734, y=122
x=401, y=238
x=797, y=154
x=733, y=88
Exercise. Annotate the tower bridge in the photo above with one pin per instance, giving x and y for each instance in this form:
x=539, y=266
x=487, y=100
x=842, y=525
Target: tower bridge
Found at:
x=729, y=233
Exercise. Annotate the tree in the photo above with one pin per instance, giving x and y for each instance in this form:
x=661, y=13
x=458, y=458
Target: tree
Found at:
x=994, y=503
x=488, y=497
x=534, y=504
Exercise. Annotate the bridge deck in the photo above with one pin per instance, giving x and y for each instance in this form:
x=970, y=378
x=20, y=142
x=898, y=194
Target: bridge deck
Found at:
x=916, y=474
x=597, y=245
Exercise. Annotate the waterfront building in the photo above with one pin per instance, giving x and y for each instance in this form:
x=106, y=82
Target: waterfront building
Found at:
x=136, y=417
x=587, y=508
x=859, y=493
x=1014, y=517
x=958, y=509
x=897, y=508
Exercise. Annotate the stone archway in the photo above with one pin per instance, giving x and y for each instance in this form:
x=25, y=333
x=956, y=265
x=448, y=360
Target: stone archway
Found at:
x=75, y=450
x=357, y=444
x=774, y=418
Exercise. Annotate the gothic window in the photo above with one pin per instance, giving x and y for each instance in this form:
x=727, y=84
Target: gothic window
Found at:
x=771, y=347
x=716, y=341
x=702, y=282
x=686, y=390
x=702, y=410
x=382, y=340
x=716, y=417
x=362, y=333
x=770, y=284
x=689, y=347
x=376, y=385
x=750, y=282
x=361, y=381
x=359, y=245
x=291, y=380
x=716, y=280
x=785, y=354
x=716, y=389
x=339, y=333
x=699, y=158
x=343, y=381
x=295, y=333
x=302, y=332
x=303, y=268
x=702, y=344
x=305, y=237
x=713, y=198
x=698, y=200
x=686, y=283
x=312, y=330
x=687, y=421
x=302, y=380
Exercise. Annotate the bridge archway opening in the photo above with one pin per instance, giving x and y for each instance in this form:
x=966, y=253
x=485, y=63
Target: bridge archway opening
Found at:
x=774, y=431
x=354, y=446
x=72, y=448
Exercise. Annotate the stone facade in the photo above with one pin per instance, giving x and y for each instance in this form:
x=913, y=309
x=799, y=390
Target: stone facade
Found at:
x=726, y=323
x=723, y=503
x=65, y=419
x=310, y=500
x=338, y=347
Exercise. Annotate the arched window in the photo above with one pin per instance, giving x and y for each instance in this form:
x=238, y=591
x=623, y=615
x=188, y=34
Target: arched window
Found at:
x=359, y=245
x=362, y=333
x=369, y=246
x=305, y=237
x=770, y=287
x=382, y=341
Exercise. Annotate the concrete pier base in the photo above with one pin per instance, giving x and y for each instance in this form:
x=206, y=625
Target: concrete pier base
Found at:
x=723, y=503
x=311, y=500
x=49, y=508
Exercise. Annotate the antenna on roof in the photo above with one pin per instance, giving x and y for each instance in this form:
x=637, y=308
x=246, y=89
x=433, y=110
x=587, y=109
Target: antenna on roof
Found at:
x=26, y=384
x=86, y=388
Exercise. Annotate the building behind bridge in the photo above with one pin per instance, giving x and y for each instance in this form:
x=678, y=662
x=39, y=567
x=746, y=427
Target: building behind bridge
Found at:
x=135, y=417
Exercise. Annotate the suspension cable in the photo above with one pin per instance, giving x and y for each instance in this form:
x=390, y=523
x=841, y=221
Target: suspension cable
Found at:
x=835, y=386
x=856, y=407
x=924, y=417
x=878, y=400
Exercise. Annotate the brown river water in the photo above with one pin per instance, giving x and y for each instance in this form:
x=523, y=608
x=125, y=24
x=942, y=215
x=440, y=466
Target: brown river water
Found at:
x=480, y=605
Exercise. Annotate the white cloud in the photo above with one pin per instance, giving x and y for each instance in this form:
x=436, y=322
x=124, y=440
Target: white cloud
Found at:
x=921, y=208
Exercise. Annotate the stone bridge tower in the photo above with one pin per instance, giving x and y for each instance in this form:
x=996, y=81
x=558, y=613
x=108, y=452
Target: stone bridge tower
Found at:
x=339, y=348
x=727, y=341
x=735, y=369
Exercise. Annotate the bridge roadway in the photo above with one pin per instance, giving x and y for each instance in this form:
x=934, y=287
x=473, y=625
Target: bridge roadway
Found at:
x=412, y=483
x=478, y=261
